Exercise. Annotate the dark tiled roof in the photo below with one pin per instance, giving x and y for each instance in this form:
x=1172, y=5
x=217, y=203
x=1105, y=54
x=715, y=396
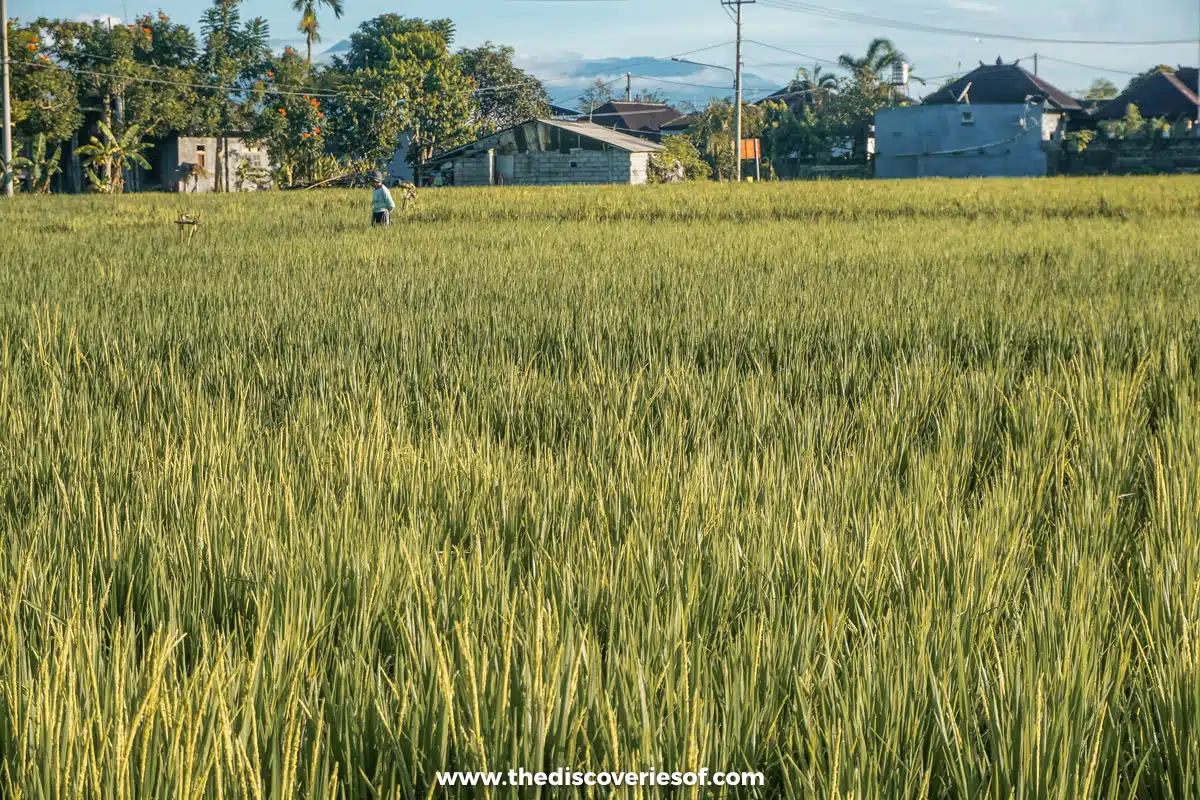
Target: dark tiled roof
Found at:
x=641, y=117
x=1002, y=83
x=1162, y=94
x=679, y=124
x=795, y=99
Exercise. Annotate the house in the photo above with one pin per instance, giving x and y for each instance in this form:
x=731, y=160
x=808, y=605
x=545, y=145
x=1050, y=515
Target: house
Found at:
x=546, y=151
x=639, y=119
x=1163, y=95
x=562, y=112
x=398, y=169
x=1009, y=84
x=677, y=126
x=994, y=121
x=190, y=164
x=963, y=140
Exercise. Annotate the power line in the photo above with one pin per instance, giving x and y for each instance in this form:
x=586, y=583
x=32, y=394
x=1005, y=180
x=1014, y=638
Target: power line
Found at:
x=1089, y=66
x=158, y=81
x=796, y=53
x=864, y=19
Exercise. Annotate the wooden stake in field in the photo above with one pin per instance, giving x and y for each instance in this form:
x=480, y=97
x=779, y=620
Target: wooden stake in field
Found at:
x=192, y=223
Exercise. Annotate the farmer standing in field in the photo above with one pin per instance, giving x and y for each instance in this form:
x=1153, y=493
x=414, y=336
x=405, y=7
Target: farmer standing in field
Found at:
x=382, y=203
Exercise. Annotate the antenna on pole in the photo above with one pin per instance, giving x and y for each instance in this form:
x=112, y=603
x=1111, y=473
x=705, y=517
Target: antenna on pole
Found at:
x=737, y=90
x=7, y=179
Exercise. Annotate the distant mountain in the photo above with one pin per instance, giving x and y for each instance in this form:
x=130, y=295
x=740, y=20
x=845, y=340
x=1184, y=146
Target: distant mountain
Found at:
x=340, y=48
x=681, y=81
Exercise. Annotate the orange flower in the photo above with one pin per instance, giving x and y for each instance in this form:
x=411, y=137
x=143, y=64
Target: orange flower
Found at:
x=283, y=111
x=270, y=74
x=320, y=116
x=317, y=131
x=304, y=136
x=35, y=39
x=33, y=47
x=146, y=31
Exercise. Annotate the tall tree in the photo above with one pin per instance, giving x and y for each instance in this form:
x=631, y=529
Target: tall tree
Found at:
x=881, y=55
x=436, y=94
x=596, y=95
x=309, y=25
x=504, y=94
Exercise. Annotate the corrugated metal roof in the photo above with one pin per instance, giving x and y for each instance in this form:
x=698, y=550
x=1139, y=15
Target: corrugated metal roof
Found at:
x=622, y=141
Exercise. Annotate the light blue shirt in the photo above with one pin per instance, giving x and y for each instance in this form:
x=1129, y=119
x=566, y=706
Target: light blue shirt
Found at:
x=381, y=200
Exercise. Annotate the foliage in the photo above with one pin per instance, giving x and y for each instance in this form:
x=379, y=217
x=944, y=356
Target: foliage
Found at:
x=793, y=478
x=1102, y=89
x=309, y=25
x=504, y=95
x=110, y=154
x=1134, y=126
x=650, y=96
x=287, y=121
x=679, y=159
x=596, y=95
x=436, y=95
x=40, y=167
x=1079, y=140
x=880, y=56
x=44, y=98
x=713, y=130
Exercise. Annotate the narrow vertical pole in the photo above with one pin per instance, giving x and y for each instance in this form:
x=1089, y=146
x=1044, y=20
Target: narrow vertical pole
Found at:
x=7, y=179
x=737, y=99
x=628, y=87
x=1035, y=65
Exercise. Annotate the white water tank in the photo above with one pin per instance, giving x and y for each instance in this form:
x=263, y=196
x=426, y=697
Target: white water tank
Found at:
x=900, y=72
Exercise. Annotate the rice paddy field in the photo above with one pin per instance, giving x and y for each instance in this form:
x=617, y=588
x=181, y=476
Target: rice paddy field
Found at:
x=882, y=490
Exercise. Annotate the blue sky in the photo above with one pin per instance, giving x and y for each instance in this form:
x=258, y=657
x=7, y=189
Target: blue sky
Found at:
x=551, y=35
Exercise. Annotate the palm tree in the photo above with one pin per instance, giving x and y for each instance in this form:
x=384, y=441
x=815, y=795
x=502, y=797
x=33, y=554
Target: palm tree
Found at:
x=112, y=155
x=881, y=54
x=309, y=25
x=816, y=84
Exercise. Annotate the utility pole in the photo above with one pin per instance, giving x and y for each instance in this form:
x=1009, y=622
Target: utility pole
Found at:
x=7, y=179
x=628, y=87
x=1035, y=65
x=737, y=91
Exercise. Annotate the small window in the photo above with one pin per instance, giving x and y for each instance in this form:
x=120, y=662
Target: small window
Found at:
x=200, y=154
x=968, y=118
x=574, y=164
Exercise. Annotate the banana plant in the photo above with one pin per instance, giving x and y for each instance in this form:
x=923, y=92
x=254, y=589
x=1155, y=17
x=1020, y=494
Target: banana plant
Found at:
x=18, y=162
x=41, y=169
x=110, y=156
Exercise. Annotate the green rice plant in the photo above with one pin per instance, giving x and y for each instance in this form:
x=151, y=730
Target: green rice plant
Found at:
x=882, y=490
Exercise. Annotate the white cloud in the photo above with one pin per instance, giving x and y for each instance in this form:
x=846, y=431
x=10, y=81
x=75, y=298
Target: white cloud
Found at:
x=972, y=5
x=105, y=19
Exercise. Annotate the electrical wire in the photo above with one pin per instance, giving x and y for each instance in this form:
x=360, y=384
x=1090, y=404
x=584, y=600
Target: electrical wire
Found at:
x=865, y=19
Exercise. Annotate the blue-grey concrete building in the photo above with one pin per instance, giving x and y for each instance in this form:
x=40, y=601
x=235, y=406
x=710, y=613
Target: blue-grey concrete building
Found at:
x=994, y=121
x=961, y=141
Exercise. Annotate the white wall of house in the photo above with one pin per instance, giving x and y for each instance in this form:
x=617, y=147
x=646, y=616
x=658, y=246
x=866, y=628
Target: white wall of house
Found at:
x=202, y=150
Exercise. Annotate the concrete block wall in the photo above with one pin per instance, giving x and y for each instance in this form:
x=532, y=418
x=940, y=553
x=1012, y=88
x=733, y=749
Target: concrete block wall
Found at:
x=545, y=168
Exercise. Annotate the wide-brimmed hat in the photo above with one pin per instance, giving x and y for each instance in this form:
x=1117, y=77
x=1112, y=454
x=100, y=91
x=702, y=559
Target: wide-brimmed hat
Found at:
x=377, y=177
